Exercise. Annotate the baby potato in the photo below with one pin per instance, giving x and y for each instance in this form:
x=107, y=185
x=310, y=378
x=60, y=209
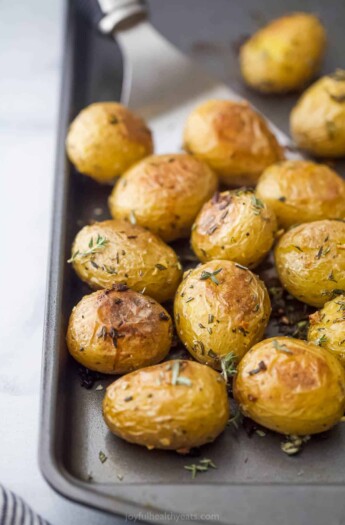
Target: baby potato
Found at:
x=291, y=386
x=234, y=225
x=232, y=139
x=285, y=54
x=310, y=261
x=118, y=330
x=327, y=327
x=176, y=405
x=317, y=122
x=220, y=307
x=165, y=192
x=105, y=139
x=302, y=191
x=112, y=252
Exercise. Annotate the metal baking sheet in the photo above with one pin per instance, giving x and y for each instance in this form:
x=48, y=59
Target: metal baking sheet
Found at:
x=255, y=483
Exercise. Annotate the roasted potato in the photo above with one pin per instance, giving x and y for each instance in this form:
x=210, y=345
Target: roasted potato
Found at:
x=165, y=193
x=234, y=225
x=291, y=386
x=327, y=327
x=112, y=252
x=105, y=139
x=310, y=261
x=176, y=405
x=116, y=331
x=220, y=307
x=232, y=139
x=285, y=54
x=317, y=121
x=302, y=191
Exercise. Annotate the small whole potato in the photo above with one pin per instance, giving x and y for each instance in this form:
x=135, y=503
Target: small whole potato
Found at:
x=234, y=225
x=233, y=139
x=165, y=192
x=285, y=54
x=105, y=139
x=327, y=327
x=116, y=331
x=310, y=261
x=291, y=386
x=302, y=191
x=176, y=405
x=112, y=252
x=317, y=122
x=220, y=307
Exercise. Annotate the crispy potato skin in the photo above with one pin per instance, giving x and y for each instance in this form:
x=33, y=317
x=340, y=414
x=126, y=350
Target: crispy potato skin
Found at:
x=132, y=256
x=146, y=408
x=232, y=139
x=310, y=261
x=327, y=327
x=117, y=331
x=284, y=55
x=298, y=390
x=236, y=226
x=165, y=192
x=105, y=139
x=317, y=122
x=213, y=320
x=301, y=191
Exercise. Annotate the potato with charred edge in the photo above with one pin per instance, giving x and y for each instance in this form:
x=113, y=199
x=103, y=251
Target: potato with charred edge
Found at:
x=327, y=327
x=310, y=261
x=302, y=191
x=234, y=225
x=233, y=139
x=285, y=54
x=176, y=405
x=291, y=386
x=113, y=252
x=220, y=307
x=165, y=192
x=317, y=122
x=116, y=331
x=105, y=139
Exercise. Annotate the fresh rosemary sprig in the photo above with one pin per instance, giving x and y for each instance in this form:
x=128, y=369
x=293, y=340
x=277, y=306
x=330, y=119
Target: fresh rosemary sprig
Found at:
x=94, y=246
x=228, y=365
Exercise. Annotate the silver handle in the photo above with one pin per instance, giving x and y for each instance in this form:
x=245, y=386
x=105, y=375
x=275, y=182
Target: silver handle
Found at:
x=120, y=14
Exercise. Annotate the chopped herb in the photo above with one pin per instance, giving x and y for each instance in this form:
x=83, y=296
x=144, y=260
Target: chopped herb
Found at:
x=94, y=247
x=321, y=340
x=160, y=266
x=298, y=248
x=102, y=333
x=102, y=457
x=257, y=204
x=210, y=318
x=331, y=277
x=322, y=252
x=236, y=419
x=260, y=432
x=228, y=366
x=261, y=368
x=241, y=266
x=210, y=275
x=163, y=316
x=203, y=466
x=132, y=217
x=176, y=379
x=293, y=444
x=212, y=229
x=281, y=347
x=190, y=299
x=256, y=308
x=199, y=345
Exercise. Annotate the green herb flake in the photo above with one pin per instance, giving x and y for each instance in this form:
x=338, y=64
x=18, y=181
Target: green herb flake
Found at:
x=228, y=366
x=94, y=247
x=281, y=347
x=210, y=275
x=240, y=266
x=203, y=466
x=176, y=379
x=102, y=457
x=257, y=204
x=322, y=340
x=293, y=444
x=160, y=267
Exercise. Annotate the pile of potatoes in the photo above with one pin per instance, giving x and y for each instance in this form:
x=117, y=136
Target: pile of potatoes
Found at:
x=236, y=197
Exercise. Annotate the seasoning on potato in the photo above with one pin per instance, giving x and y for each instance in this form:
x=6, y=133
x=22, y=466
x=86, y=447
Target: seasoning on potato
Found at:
x=165, y=192
x=232, y=139
x=176, y=405
x=234, y=225
x=302, y=191
x=112, y=252
x=220, y=307
x=327, y=327
x=105, y=139
x=317, y=121
x=116, y=331
x=285, y=54
x=310, y=261
x=291, y=386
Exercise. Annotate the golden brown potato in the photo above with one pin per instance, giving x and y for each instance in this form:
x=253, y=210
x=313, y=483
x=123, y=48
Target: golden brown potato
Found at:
x=176, y=405
x=105, y=139
x=327, y=327
x=291, y=386
x=285, y=54
x=310, y=261
x=302, y=191
x=232, y=139
x=165, y=193
x=220, y=307
x=112, y=252
x=317, y=121
x=234, y=225
x=116, y=331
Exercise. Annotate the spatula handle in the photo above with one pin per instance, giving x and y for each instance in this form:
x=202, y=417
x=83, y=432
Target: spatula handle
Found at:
x=113, y=15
